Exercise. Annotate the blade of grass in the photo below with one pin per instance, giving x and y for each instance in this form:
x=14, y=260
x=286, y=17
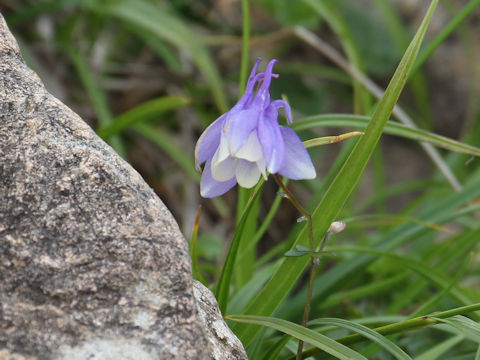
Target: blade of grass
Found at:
x=379, y=178
x=143, y=112
x=245, y=272
x=241, y=298
x=400, y=36
x=245, y=47
x=265, y=224
x=246, y=267
x=430, y=305
x=391, y=128
x=193, y=249
x=432, y=274
x=366, y=332
x=274, y=352
x=439, y=350
x=360, y=292
x=309, y=336
x=469, y=328
x=394, y=190
x=438, y=212
x=404, y=326
x=444, y=255
x=389, y=219
x=326, y=212
x=222, y=291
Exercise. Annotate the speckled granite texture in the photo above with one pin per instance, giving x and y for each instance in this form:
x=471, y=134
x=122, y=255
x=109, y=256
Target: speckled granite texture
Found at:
x=92, y=264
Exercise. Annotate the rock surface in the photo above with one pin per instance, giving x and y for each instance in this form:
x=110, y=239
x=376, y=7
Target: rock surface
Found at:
x=92, y=264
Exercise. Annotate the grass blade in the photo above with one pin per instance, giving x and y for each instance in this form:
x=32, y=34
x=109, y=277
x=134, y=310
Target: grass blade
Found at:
x=433, y=275
x=143, y=112
x=222, y=291
x=309, y=336
x=366, y=332
x=440, y=349
x=469, y=328
x=326, y=212
x=391, y=128
x=404, y=326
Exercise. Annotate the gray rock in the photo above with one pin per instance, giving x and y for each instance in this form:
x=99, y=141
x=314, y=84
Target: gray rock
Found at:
x=92, y=264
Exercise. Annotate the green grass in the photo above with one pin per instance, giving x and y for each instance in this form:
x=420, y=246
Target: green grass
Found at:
x=151, y=76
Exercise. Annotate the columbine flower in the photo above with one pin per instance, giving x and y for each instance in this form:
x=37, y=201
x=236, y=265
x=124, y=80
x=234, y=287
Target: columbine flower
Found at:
x=247, y=142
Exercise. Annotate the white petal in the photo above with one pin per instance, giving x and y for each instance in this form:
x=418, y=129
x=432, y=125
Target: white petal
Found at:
x=247, y=173
x=251, y=150
x=222, y=152
x=223, y=170
x=262, y=166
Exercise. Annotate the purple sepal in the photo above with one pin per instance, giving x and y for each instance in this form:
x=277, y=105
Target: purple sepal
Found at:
x=210, y=188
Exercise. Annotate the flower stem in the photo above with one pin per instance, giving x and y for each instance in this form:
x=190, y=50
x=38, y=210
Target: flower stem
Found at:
x=313, y=260
x=245, y=45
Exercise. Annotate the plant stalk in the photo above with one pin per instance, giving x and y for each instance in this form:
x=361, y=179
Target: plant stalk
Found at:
x=313, y=260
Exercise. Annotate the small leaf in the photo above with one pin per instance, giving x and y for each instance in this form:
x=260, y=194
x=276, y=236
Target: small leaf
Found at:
x=222, y=291
x=391, y=128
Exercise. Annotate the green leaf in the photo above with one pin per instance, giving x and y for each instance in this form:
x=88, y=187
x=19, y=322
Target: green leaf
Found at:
x=366, y=332
x=309, y=336
x=391, y=128
x=222, y=291
x=469, y=328
x=143, y=112
x=349, y=175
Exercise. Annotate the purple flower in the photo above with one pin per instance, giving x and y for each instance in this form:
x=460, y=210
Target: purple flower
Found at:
x=247, y=142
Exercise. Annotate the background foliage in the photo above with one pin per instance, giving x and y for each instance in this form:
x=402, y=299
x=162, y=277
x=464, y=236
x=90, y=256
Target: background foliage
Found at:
x=149, y=76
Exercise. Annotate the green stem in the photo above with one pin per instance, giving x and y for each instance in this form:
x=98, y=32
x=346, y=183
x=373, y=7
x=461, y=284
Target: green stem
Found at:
x=243, y=194
x=245, y=45
x=313, y=261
